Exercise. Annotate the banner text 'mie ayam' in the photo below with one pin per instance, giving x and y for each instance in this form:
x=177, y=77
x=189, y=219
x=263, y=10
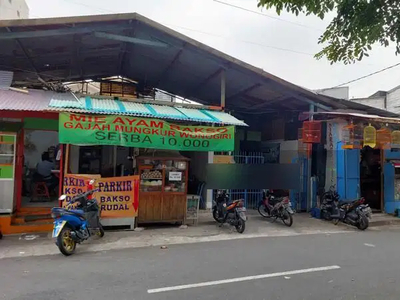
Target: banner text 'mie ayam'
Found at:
x=124, y=124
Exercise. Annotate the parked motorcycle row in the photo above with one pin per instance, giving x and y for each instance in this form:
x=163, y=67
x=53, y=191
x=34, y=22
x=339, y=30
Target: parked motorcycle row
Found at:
x=233, y=212
x=80, y=220
x=356, y=213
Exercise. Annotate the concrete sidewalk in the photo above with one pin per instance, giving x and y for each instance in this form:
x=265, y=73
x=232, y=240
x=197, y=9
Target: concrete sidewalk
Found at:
x=206, y=231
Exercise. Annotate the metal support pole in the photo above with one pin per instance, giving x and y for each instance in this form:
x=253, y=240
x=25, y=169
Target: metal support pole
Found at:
x=223, y=88
x=312, y=108
x=209, y=193
x=309, y=158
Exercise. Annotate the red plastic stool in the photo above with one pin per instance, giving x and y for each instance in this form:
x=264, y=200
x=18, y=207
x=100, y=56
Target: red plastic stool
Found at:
x=40, y=190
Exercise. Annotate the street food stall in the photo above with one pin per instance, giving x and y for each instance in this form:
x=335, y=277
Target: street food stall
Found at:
x=163, y=188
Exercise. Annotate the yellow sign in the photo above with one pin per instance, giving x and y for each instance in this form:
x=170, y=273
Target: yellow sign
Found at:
x=223, y=159
x=118, y=197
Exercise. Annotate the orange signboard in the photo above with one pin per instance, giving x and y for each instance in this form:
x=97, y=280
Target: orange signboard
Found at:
x=118, y=197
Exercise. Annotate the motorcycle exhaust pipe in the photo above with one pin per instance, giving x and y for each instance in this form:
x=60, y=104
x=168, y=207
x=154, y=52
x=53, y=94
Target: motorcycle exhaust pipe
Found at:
x=74, y=236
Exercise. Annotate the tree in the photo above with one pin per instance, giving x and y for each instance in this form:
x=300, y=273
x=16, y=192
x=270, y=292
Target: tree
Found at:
x=357, y=26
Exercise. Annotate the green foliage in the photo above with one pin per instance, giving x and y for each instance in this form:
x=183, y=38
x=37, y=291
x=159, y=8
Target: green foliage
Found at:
x=357, y=26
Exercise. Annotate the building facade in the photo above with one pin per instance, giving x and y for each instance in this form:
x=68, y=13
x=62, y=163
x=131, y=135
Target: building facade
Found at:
x=13, y=9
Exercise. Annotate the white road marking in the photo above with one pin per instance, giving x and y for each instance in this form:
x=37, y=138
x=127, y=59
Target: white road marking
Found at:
x=240, y=279
x=369, y=245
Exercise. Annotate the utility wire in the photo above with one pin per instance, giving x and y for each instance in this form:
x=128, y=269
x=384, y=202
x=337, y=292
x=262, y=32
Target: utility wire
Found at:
x=366, y=76
x=265, y=15
x=203, y=32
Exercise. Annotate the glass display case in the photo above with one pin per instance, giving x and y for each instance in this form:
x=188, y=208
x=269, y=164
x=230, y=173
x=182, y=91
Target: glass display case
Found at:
x=163, y=175
x=151, y=176
x=175, y=176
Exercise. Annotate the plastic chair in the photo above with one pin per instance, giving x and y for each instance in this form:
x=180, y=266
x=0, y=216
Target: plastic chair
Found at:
x=40, y=190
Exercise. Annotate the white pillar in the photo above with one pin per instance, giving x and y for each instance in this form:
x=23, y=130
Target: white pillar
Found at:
x=209, y=195
x=223, y=88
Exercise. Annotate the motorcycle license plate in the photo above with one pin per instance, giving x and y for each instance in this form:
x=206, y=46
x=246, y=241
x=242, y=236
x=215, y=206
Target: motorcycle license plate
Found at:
x=242, y=209
x=57, y=228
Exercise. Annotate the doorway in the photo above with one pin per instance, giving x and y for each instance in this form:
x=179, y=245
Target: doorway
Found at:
x=41, y=167
x=371, y=176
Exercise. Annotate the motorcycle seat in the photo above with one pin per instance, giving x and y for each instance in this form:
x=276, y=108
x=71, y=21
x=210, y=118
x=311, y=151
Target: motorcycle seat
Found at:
x=275, y=200
x=63, y=211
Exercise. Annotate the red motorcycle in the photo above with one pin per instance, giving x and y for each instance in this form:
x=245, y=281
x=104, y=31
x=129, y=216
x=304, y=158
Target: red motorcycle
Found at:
x=277, y=208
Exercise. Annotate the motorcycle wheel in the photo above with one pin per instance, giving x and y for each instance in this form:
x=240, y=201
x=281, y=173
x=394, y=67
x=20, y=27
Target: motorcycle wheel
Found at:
x=100, y=233
x=363, y=222
x=287, y=218
x=241, y=226
x=326, y=215
x=216, y=215
x=263, y=211
x=65, y=243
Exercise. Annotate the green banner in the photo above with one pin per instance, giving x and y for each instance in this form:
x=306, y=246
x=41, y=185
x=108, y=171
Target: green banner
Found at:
x=143, y=133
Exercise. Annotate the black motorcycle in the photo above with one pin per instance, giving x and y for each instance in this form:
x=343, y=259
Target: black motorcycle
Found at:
x=329, y=204
x=352, y=214
x=355, y=213
x=232, y=213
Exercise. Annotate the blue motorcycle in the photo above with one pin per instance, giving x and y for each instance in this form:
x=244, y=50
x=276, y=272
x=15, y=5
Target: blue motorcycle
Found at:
x=72, y=226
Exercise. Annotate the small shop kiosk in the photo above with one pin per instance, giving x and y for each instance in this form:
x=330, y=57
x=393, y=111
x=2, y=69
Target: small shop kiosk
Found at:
x=163, y=188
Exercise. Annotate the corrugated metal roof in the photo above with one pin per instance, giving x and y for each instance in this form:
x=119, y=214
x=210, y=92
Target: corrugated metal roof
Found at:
x=5, y=79
x=223, y=117
x=137, y=109
x=34, y=100
x=114, y=106
x=38, y=100
x=195, y=114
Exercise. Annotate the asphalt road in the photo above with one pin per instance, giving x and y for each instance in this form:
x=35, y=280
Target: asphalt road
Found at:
x=354, y=265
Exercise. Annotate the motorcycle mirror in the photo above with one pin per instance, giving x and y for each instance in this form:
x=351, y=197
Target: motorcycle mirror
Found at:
x=62, y=197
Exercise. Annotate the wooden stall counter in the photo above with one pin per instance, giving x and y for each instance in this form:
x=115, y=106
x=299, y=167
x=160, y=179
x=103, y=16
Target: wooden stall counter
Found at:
x=163, y=188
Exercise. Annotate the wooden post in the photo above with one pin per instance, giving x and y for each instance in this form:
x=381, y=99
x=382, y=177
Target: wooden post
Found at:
x=66, y=165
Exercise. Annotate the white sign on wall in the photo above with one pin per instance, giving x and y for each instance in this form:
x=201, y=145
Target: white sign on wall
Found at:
x=175, y=176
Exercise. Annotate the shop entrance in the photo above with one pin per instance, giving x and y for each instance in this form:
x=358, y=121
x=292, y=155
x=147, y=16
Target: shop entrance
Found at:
x=41, y=168
x=370, y=177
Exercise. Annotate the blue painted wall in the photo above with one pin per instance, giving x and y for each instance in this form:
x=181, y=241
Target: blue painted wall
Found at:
x=390, y=203
x=348, y=172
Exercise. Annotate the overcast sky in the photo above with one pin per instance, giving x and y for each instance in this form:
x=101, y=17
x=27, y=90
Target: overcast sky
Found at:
x=282, y=45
